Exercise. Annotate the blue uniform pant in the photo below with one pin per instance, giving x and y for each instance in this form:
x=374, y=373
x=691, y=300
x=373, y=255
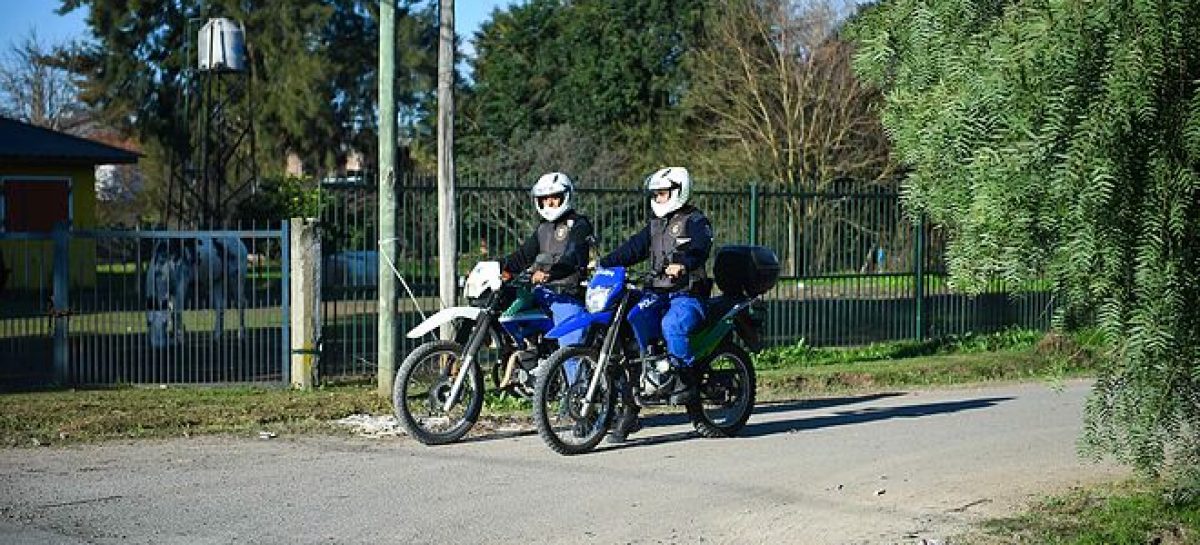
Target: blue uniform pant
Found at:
x=673, y=317
x=562, y=308
x=562, y=311
x=684, y=314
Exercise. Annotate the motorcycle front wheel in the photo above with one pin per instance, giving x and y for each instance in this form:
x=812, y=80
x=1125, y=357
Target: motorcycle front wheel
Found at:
x=560, y=396
x=422, y=386
x=727, y=391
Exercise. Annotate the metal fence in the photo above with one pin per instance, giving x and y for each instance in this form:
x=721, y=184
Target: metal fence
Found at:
x=109, y=307
x=856, y=270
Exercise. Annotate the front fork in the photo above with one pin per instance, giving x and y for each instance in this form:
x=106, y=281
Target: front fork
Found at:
x=606, y=350
x=482, y=328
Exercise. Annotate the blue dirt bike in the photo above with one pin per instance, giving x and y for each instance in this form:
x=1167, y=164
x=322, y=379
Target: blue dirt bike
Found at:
x=581, y=387
x=439, y=388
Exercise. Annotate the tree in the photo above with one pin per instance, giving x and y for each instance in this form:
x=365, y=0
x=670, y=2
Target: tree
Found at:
x=280, y=198
x=1063, y=138
x=36, y=90
x=311, y=69
x=773, y=96
x=587, y=159
x=612, y=69
x=513, y=72
x=774, y=84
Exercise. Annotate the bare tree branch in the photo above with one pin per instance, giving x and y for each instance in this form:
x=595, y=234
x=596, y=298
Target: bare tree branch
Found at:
x=777, y=80
x=34, y=89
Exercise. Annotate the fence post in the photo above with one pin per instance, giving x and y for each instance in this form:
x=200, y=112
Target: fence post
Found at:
x=305, y=300
x=754, y=213
x=61, y=299
x=919, y=278
x=285, y=294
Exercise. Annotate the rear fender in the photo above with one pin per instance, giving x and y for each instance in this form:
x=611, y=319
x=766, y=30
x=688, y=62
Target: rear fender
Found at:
x=706, y=340
x=748, y=330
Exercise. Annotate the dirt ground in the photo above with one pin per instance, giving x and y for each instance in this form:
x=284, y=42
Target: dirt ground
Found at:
x=904, y=467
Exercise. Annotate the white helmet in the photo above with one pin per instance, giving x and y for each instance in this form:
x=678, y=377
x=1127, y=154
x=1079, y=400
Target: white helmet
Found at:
x=675, y=179
x=555, y=183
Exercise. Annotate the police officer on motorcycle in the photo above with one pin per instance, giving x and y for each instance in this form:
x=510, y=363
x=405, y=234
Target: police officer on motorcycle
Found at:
x=558, y=249
x=677, y=241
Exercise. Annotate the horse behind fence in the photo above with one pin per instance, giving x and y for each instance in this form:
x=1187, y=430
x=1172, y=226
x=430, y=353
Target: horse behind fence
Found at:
x=179, y=267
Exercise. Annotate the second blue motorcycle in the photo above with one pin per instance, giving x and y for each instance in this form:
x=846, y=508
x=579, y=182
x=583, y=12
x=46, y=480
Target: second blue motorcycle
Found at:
x=580, y=387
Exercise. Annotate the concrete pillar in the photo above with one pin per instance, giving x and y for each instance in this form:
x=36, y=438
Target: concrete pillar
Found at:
x=305, y=301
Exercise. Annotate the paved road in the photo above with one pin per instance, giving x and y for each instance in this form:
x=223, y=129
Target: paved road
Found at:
x=883, y=468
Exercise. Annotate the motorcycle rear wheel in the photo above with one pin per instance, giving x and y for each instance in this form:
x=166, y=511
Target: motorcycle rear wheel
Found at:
x=727, y=391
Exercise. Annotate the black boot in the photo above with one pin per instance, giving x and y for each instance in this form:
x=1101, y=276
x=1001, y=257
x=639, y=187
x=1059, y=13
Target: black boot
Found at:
x=686, y=390
x=627, y=423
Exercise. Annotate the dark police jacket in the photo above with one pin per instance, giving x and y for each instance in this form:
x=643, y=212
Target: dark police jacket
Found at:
x=568, y=239
x=683, y=236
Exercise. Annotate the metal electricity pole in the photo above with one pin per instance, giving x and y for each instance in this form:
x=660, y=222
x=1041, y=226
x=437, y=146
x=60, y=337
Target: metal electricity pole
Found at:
x=387, y=198
x=447, y=252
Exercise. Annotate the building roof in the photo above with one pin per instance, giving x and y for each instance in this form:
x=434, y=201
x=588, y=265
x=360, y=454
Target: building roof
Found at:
x=25, y=144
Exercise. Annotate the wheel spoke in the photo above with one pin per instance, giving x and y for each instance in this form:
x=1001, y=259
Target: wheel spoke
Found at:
x=423, y=386
x=560, y=403
x=727, y=394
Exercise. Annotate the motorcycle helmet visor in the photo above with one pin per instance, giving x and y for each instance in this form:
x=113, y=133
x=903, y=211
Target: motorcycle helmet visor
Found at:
x=553, y=200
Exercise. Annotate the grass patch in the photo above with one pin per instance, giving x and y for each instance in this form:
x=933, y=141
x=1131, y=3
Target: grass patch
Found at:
x=272, y=271
x=1133, y=512
x=927, y=371
x=1014, y=355
x=1082, y=346
x=502, y=404
x=88, y=322
x=81, y=416
x=42, y=418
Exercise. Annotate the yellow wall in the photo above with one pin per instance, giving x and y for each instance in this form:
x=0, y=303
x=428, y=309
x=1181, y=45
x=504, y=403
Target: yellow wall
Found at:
x=32, y=262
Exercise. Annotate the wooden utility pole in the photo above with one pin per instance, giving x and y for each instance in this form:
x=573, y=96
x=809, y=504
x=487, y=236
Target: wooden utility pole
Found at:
x=387, y=335
x=447, y=252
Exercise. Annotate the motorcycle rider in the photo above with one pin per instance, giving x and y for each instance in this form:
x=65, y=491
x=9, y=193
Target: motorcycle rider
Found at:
x=565, y=237
x=677, y=241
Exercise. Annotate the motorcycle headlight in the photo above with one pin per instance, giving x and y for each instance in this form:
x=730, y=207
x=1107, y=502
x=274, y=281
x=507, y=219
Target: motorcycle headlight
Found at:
x=597, y=298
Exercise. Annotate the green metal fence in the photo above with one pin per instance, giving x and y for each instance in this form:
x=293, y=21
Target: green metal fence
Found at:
x=855, y=269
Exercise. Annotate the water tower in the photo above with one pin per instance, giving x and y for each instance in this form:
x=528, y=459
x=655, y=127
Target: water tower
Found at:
x=219, y=167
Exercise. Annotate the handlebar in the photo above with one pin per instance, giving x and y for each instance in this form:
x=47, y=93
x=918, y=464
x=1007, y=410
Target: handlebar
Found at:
x=525, y=280
x=655, y=281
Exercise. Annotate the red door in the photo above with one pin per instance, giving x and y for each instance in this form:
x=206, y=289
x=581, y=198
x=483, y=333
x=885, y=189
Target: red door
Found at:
x=35, y=206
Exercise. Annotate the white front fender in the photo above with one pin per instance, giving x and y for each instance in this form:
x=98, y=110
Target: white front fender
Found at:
x=444, y=316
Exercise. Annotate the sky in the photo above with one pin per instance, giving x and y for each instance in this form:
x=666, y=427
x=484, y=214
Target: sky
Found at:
x=20, y=16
